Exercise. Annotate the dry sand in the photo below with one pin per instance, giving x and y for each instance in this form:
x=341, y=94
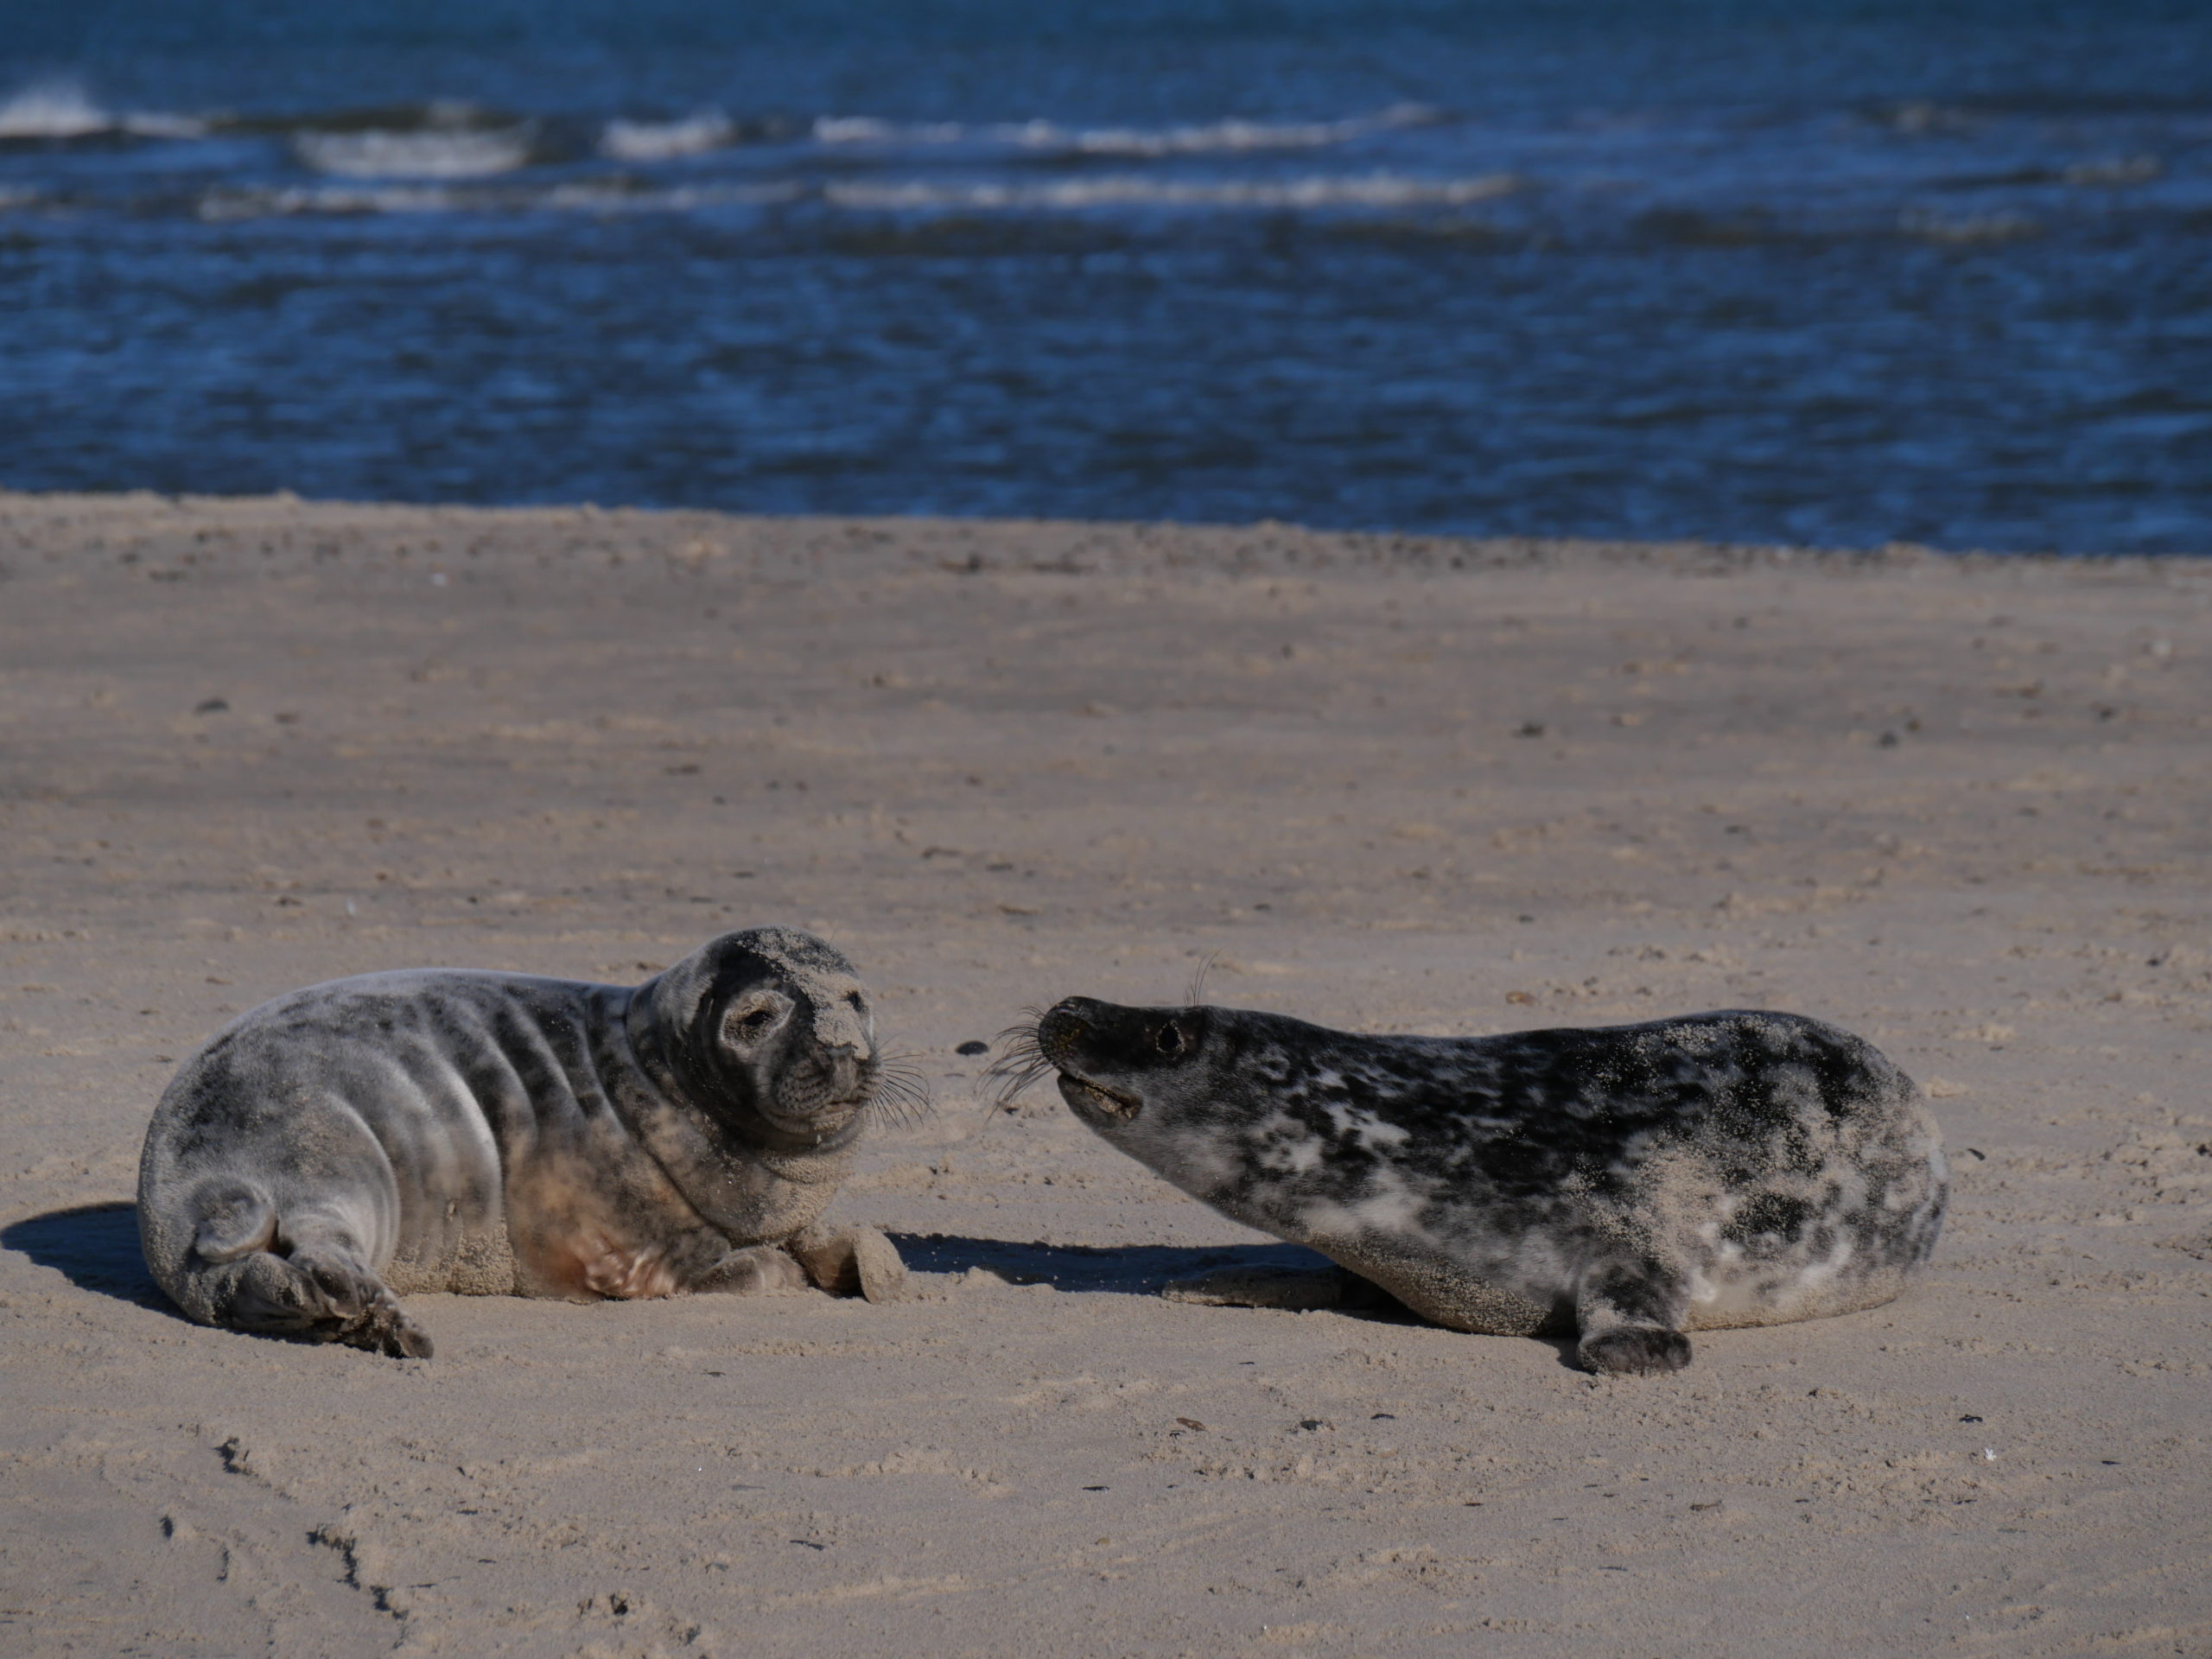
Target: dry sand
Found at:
x=1960, y=805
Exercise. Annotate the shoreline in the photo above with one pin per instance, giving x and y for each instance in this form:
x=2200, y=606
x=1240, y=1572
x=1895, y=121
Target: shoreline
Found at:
x=1235, y=546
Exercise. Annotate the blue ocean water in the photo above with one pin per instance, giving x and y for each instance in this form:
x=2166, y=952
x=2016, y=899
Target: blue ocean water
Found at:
x=1814, y=270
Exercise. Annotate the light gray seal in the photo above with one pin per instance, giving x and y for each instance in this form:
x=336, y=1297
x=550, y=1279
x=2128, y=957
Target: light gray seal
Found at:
x=493, y=1134
x=1625, y=1184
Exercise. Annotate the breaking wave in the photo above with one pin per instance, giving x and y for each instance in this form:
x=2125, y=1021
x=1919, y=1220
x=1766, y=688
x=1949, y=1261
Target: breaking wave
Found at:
x=579, y=196
x=58, y=110
x=62, y=110
x=661, y=141
x=1230, y=134
x=429, y=153
x=1212, y=137
x=619, y=193
x=1369, y=190
x=869, y=129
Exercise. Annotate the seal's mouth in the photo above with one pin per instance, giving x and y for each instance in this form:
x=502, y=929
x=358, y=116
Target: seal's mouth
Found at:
x=1081, y=1091
x=814, y=1112
x=819, y=1105
x=816, y=1128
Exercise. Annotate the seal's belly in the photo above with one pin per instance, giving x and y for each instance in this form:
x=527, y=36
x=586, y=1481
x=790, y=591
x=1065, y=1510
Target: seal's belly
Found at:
x=1442, y=1289
x=480, y=1262
x=1723, y=1298
x=580, y=1213
x=577, y=1216
x=603, y=1221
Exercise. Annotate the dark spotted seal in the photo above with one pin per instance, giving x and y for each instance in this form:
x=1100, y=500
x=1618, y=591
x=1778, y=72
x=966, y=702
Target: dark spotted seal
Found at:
x=490, y=1133
x=1625, y=1184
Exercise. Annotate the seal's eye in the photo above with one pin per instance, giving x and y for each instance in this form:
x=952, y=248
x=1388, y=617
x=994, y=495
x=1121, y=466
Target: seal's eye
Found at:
x=859, y=1006
x=757, y=1021
x=1168, y=1039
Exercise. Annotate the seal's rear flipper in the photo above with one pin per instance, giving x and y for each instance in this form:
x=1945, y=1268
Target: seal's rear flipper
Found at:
x=1630, y=1314
x=228, y=1257
x=1634, y=1350
x=321, y=1294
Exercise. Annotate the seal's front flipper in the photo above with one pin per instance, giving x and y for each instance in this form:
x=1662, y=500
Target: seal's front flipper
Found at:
x=1630, y=1315
x=847, y=1260
x=753, y=1270
x=1264, y=1285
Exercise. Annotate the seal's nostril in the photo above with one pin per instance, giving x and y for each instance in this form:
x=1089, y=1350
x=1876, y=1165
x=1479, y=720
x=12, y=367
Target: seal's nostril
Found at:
x=1060, y=1027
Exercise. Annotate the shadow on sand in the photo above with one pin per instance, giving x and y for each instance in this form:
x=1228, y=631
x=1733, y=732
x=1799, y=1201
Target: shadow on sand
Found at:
x=1130, y=1269
x=94, y=1246
x=1142, y=1269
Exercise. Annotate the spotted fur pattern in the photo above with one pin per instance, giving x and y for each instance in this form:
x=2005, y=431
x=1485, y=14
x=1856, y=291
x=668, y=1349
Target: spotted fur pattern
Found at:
x=497, y=1134
x=1626, y=1184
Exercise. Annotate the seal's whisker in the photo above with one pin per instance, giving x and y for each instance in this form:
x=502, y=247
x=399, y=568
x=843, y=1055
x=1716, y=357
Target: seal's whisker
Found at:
x=1021, y=1062
x=1197, y=993
x=905, y=1114
x=901, y=1093
x=908, y=1092
x=901, y=1063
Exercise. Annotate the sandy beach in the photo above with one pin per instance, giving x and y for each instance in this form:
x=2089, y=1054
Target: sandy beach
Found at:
x=1960, y=805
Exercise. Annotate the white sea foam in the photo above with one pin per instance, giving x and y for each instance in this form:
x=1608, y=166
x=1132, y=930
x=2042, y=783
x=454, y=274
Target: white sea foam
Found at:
x=661, y=141
x=431, y=154
x=1229, y=135
x=62, y=110
x=1182, y=141
x=55, y=109
x=1365, y=190
x=1208, y=137
x=574, y=196
x=868, y=129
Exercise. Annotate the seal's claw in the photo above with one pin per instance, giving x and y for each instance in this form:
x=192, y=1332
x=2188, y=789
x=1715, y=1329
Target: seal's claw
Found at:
x=388, y=1330
x=1639, y=1350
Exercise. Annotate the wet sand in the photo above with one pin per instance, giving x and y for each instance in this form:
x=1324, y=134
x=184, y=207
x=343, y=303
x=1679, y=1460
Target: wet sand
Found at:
x=1961, y=806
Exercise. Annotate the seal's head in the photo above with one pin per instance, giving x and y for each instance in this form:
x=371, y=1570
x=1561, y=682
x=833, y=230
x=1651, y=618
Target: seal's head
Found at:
x=771, y=1031
x=1162, y=1084
x=1117, y=1063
